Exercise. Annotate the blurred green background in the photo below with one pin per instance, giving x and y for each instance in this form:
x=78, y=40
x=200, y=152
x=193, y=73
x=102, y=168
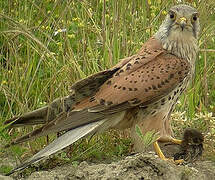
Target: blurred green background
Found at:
x=45, y=46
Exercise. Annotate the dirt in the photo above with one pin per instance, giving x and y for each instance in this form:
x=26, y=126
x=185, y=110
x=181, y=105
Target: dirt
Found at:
x=141, y=166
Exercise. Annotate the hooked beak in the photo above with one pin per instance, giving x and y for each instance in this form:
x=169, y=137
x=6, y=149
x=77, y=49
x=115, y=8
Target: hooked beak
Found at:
x=182, y=22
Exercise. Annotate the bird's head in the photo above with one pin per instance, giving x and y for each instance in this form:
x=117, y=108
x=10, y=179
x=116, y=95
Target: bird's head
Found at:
x=193, y=137
x=180, y=29
x=181, y=19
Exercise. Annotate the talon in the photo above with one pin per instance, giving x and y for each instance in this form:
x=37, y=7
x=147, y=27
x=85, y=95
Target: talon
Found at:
x=168, y=159
x=161, y=155
x=179, y=161
x=176, y=141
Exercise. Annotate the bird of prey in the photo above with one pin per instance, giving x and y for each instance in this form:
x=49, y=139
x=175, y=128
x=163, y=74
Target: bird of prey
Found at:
x=191, y=147
x=140, y=89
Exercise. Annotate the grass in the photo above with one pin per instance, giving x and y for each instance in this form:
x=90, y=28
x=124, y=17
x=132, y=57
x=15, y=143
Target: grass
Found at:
x=39, y=60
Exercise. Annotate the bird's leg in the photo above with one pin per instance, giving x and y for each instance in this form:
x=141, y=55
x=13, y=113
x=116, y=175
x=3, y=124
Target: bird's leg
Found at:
x=162, y=156
x=158, y=150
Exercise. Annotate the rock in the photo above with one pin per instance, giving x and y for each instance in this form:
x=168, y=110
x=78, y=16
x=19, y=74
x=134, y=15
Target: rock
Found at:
x=5, y=178
x=139, y=166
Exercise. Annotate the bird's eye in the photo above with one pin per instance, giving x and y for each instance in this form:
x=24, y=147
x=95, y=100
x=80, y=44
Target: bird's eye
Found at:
x=172, y=15
x=195, y=18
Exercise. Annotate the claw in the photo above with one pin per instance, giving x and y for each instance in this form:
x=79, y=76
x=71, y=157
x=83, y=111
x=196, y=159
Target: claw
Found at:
x=161, y=155
x=179, y=161
x=176, y=141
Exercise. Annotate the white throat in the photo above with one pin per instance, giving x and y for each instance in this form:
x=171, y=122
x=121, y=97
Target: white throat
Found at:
x=181, y=44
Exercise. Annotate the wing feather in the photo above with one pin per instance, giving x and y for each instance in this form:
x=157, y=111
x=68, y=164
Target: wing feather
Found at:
x=151, y=81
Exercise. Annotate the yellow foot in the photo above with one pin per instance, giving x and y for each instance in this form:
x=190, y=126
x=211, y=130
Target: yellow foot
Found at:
x=179, y=161
x=161, y=155
x=176, y=141
x=158, y=150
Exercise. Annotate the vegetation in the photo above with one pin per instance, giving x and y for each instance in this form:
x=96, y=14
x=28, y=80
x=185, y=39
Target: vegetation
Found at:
x=45, y=46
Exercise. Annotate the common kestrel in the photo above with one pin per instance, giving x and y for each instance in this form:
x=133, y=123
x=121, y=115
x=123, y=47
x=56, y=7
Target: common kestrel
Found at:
x=141, y=89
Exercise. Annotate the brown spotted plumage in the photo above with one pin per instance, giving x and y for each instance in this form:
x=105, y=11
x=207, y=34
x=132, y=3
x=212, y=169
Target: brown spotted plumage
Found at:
x=141, y=89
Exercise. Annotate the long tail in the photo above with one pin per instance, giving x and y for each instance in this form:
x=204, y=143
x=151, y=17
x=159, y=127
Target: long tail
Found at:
x=63, y=115
x=61, y=142
x=64, y=122
x=72, y=136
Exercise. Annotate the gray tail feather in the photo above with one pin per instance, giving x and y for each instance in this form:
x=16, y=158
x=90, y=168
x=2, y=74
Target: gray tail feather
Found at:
x=64, y=122
x=30, y=118
x=43, y=115
x=63, y=141
x=38, y=116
